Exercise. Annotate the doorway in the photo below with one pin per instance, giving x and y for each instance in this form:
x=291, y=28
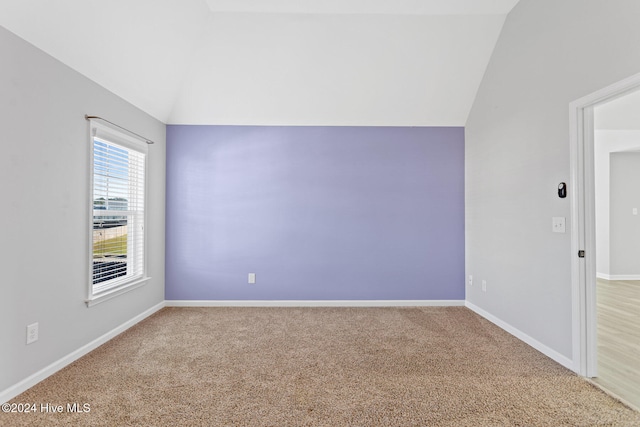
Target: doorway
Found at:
x=605, y=144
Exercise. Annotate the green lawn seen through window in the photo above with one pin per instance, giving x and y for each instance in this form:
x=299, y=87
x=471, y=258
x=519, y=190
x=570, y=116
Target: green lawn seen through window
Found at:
x=114, y=246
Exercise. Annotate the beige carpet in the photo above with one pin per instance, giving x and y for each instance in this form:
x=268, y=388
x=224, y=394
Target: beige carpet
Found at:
x=435, y=366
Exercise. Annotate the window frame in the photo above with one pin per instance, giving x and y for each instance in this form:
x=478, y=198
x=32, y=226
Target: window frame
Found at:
x=118, y=285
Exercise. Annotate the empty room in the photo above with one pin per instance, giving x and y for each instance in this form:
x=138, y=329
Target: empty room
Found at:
x=322, y=213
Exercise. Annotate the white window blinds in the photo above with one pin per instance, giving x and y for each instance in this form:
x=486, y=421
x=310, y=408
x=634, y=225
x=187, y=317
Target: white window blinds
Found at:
x=118, y=216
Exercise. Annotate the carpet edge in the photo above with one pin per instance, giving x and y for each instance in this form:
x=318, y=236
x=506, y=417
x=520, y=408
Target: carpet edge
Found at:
x=542, y=348
x=22, y=386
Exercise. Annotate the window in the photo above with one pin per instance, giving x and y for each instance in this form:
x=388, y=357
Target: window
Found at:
x=118, y=218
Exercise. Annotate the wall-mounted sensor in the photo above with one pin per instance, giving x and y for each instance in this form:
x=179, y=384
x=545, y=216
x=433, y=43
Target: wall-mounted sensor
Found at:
x=562, y=190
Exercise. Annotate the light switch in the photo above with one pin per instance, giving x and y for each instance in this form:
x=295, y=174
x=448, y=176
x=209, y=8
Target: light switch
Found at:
x=558, y=224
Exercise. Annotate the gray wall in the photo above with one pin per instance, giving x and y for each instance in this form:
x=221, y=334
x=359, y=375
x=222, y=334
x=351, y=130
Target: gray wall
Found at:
x=625, y=227
x=44, y=182
x=517, y=151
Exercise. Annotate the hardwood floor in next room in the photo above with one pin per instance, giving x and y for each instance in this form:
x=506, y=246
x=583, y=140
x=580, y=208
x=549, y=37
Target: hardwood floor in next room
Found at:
x=618, y=305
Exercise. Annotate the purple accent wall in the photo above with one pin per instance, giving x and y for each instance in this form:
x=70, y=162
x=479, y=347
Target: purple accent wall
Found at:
x=318, y=213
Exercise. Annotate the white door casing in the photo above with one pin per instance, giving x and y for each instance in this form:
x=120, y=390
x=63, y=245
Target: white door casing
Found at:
x=582, y=187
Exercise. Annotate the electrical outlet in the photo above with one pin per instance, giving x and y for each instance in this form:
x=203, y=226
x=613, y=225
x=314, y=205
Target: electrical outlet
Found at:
x=252, y=278
x=32, y=333
x=558, y=224
x=470, y=280
x=484, y=286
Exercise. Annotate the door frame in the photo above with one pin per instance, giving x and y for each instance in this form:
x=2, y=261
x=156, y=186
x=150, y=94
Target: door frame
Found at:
x=583, y=236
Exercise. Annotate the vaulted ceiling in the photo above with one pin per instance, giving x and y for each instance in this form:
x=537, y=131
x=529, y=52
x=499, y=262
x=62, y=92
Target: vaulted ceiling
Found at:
x=288, y=62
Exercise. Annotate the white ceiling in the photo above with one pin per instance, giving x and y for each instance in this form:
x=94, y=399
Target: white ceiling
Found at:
x=286, y=62
x=388, y=7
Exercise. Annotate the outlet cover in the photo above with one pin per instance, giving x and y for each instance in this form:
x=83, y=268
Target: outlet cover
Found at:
x=32, y=333
x=252, y=278
x=558, y=224
x=484, y=286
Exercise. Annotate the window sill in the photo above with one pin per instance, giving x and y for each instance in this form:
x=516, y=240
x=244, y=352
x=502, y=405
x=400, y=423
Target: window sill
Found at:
x=104, y=296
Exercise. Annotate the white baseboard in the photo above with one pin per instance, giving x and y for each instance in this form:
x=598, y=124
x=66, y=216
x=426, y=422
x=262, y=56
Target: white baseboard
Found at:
x=561, y=359
x=312, y=303
x=618, y=276
x=34, y=379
